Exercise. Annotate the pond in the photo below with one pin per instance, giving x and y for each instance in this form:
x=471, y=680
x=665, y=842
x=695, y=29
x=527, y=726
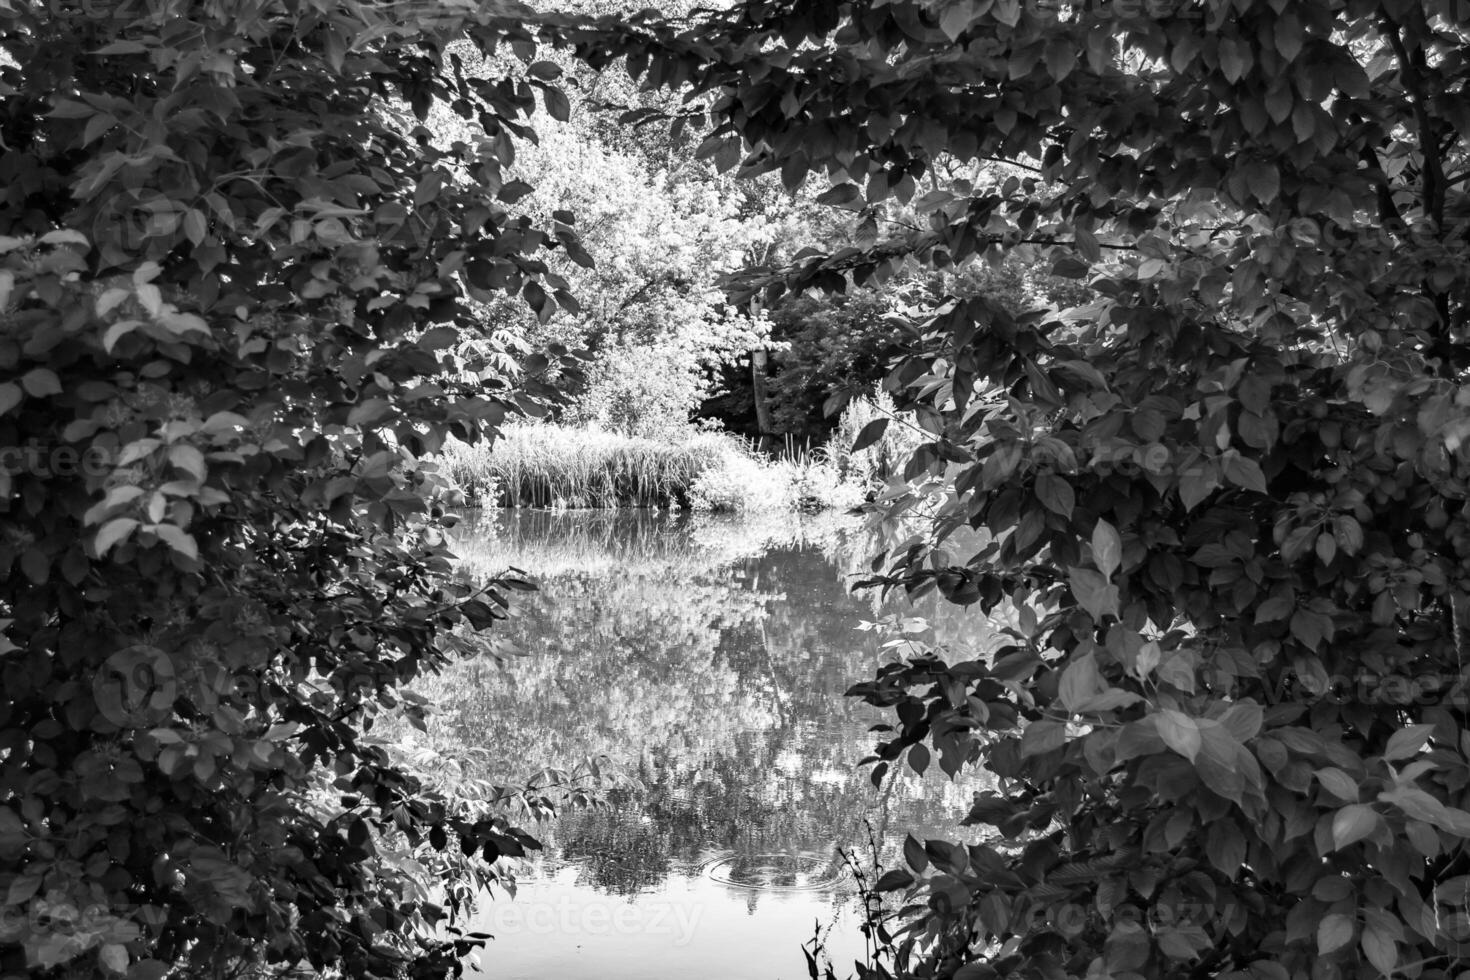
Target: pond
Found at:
x=703, y=661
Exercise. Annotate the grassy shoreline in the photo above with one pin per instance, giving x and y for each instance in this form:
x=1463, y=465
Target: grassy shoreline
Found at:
x=548, y=465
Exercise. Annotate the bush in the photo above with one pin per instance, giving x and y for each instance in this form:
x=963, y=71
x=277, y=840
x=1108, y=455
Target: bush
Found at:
x=873, y=464
x=227, y=286
x=740, y=482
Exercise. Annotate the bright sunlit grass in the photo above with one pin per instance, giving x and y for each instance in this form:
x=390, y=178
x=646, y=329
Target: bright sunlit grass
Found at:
x=545, y=465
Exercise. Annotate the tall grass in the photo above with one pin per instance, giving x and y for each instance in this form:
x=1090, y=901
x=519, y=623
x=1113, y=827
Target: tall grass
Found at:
x=559, y=466
x=547, y=465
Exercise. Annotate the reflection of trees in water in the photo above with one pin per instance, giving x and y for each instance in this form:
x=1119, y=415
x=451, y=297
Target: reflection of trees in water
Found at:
x=613, y=667
x=719, y=686
x=620, y=857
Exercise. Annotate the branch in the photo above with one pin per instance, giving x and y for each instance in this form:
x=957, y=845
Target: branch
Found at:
x=1410, y=67
x=1388, y=212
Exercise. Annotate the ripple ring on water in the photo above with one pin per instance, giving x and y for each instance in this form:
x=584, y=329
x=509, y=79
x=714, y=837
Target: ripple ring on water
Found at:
x=801, y=871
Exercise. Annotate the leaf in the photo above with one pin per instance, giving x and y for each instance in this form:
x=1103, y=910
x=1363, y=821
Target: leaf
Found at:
x=1416, y=803
x=1080, y=681
x=1243, y=720
x=557, y=104
x=1179, y=669
x=22, y=888
x=1195, y=485
x=195, y=226
x=1225, y=847
x=122, y=47
x=1279, y=101
x=1288, y=36
x=1107, y=548
x=1274, y=610
x=844, y=193
x=1334, y=932
x=369, y=412
x=1087, y=245
x=1235, y=58
x=955, y=18
x=189, y=459
x=97, y=126
x=1147, y=659
x=176, y=538
x=428, y=188
x=919, y=758
x=1380, y=949
x=1264, y=181
x=1040, y=737
x=1109, y=700
x=1179, y=732
x=64, y=236
x=41, y=382
x=110, y=299
x=1352, y=823
x=1055, y=494
x=10, y=396
x=1407, y=742
x=1338, y=783
x=913, y=853
x=117, y=331
x=869, y=434
x=113, y=957
x=1243, y=472
x=1093, y=592
x=1061, y=58
x=113, y=532
x=893, y=881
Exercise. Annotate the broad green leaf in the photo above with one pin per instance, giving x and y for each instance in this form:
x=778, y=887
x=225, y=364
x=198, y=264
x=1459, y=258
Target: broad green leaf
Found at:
x=1334, y=932
x=113, y=532
x=870, y=434
x=1055, y=493
x=1352, y=823
x=1338, y=783
x=1107, y=548
x=1093, y=592
x=1179, y=732
x=41, y=383
x=1042, y=736
x=1407, y=742
x=1080, y=682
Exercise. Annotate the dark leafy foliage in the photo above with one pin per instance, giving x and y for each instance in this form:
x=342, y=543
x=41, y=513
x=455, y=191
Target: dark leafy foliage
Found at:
x=230, y=267
x=1226, y=503
x=830, y=348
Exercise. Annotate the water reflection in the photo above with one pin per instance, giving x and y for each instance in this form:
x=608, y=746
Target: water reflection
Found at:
x=705, y=660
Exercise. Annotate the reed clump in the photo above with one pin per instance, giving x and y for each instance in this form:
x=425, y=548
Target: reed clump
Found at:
x=575, y=467
x=545, y=465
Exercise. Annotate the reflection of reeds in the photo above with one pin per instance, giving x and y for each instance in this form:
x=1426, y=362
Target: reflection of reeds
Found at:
x=633, y=542
x=553, y=465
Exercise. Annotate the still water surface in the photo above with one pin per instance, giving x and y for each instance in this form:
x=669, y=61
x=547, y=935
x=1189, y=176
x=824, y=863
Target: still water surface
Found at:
x=704, y=661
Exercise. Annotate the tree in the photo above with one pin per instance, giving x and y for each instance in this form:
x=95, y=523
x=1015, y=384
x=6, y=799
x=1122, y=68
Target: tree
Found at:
x=1228, y=499
x=831, y=348
x=228, y=279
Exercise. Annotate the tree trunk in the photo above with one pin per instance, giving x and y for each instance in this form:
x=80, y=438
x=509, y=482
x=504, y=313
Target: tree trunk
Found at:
x=758, y=394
